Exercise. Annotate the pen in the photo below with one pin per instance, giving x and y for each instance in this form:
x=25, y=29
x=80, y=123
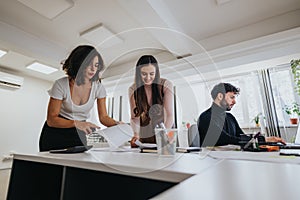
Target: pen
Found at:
x=252, y=140
x=165, y=134
x=162, y=125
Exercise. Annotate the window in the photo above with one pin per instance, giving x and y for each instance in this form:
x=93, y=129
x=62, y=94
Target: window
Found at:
x=248, y=103
x=283, y=92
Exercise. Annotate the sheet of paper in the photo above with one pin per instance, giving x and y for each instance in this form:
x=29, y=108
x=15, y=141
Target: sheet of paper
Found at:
x=144, y=145
x=253, y=156
x=116, y=136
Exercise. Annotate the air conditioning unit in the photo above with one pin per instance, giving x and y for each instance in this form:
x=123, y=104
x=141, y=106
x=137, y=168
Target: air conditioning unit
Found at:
x=10, y=80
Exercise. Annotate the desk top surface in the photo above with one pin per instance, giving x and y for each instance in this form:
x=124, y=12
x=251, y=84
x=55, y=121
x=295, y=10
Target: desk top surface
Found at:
x=240, y=179
x=149, y=165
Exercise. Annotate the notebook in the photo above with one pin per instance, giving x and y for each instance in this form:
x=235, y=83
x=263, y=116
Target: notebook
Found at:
x=296, y=144
x=187, y=149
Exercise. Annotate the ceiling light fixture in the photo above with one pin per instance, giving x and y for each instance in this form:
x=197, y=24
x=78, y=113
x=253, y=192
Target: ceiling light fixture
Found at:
x=100, y=36
x=53, y=9
x=36, y=66
x=2, y=53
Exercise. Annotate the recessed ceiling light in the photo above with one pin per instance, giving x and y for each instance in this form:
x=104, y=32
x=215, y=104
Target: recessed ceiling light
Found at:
x=53, y=9
x=41, y=68
x=100, y=36
x=2, y=53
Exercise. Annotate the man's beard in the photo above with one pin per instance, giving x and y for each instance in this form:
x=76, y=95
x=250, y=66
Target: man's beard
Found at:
x=225, y=105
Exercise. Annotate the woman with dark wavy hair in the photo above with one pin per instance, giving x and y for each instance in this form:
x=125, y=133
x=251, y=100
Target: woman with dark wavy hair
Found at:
x=151, y=100
x=71, y=100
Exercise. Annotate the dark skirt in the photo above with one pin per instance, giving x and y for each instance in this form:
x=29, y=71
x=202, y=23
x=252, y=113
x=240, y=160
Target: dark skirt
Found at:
x=147, y=134
x=60, y=138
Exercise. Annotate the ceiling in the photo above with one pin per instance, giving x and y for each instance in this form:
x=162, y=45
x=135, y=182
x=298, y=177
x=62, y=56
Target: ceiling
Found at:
x=46, y=31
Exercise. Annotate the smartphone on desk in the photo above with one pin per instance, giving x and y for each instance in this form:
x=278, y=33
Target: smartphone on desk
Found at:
x=75, y=149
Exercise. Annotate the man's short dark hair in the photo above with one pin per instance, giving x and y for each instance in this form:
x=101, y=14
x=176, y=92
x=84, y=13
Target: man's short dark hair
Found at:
x=223, y=88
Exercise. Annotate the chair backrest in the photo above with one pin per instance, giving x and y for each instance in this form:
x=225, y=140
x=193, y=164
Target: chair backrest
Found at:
x=193, y=136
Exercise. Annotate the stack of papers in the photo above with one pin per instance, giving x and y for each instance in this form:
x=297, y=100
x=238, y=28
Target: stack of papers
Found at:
x=146, y=147
x=289, y=152
x=187, y=149
x=116, y=137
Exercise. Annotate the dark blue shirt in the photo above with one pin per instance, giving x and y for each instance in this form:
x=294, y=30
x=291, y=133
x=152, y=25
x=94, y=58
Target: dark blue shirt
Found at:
x=218, y=127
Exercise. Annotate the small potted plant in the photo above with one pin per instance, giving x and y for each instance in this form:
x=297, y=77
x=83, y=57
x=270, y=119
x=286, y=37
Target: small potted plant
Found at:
x=293, y=111
x=256, y=119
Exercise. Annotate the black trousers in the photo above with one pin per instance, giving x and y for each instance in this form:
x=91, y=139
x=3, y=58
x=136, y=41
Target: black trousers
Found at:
x=60, y=138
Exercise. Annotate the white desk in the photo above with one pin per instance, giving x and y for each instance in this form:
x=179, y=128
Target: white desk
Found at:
x=253, y=156
x=216, y=175
x=237, y=179
x=95, y=174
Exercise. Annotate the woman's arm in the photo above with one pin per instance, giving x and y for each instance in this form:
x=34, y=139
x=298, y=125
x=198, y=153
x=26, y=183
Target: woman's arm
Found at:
x=168, y=104
x=275, y=139
x=102, y=113
x=134, y=121
x=53, y=119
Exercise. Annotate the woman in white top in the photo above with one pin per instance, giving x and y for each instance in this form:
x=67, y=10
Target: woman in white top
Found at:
x=71, y=100
x=151, y=100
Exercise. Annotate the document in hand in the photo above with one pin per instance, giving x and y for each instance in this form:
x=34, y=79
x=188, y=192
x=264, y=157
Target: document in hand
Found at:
x=116, y=136
x=146, y=147
x=187, y=149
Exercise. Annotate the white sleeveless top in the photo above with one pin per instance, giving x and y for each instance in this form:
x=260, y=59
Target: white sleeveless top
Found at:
x=61, y=90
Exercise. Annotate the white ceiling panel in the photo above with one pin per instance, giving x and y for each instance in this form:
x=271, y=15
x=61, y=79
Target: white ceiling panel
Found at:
x=48, y=8
x=47, y=31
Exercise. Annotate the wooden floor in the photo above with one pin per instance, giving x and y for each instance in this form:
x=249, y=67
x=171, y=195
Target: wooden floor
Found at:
x=4, y=179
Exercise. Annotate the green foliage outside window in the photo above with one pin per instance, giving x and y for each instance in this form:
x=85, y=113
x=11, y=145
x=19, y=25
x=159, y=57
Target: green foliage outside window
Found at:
x=293, y=109
x=295, y=66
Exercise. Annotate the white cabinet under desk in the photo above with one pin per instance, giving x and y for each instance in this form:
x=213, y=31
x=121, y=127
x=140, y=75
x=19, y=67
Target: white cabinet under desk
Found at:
x=100, y=174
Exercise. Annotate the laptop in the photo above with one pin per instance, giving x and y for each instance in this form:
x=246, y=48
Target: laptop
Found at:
x=296, y=144
x=75, y=149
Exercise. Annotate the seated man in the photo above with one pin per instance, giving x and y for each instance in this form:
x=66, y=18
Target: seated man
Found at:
x=218, y=127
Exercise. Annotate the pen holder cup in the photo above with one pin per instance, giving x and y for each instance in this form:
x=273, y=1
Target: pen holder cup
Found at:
x=166, y=141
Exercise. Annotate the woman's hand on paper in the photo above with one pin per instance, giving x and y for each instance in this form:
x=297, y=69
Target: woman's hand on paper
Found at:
x=132, y=142
x=86, y=127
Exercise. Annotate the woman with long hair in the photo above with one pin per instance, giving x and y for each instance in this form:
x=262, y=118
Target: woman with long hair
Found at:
x=151, y=100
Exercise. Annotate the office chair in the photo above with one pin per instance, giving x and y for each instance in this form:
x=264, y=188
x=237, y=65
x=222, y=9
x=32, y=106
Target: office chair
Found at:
x=193, y=136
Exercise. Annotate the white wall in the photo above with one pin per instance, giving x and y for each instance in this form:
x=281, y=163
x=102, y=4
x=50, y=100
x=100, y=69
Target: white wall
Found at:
x=23, y=112
x=120, y=89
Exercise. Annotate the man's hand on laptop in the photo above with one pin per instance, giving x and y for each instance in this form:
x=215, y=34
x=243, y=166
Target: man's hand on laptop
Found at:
x=275, y=139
